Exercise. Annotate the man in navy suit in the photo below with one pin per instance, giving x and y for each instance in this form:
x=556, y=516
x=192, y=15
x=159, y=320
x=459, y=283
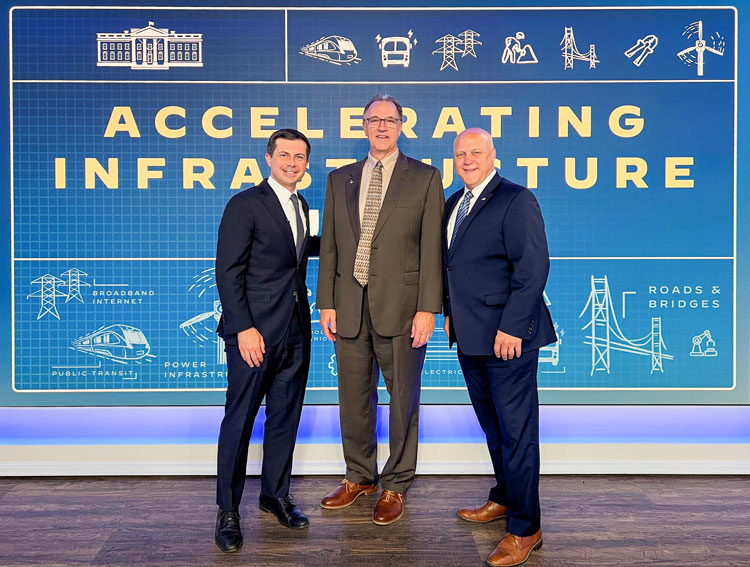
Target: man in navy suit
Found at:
x=261, y=264
x=496, y=263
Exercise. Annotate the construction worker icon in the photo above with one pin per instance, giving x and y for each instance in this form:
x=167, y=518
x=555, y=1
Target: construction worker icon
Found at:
x=516, y=53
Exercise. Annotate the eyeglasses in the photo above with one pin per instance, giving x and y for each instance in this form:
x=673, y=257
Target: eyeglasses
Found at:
x=375, y=122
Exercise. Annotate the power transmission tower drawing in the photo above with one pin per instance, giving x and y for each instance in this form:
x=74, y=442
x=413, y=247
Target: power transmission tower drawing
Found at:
x=451, y=46
x=448, y=51
x=516, y=53
x=570, y=51
x=469, y=40
x=48, y=295
x=644, y=47
x=694, y=55
x=75, y=284
x=605, y=334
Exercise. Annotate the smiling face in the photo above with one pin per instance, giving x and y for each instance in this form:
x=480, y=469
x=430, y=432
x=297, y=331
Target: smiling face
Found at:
x=383, y=138
x=288, y=162
x=474, y=156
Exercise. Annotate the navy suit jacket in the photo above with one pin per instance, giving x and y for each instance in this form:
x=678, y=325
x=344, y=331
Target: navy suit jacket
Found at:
x=496, y=270
x=259, y=279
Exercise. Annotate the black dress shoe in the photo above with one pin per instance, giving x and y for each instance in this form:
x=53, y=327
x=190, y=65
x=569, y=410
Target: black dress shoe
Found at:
x=288, y=514
x=228, y=535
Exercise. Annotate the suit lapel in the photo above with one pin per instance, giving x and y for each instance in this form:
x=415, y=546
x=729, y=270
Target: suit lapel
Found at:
x=395, y=188
x=484, y=198
x=271, y=202
x=352, y=196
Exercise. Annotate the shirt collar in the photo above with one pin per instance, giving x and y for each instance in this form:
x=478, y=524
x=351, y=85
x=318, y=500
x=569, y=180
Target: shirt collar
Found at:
x=479, y=188
x=388, y=162
x=281, y=192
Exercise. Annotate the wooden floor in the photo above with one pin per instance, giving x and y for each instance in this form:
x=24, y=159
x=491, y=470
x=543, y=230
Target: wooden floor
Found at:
x=169, y=521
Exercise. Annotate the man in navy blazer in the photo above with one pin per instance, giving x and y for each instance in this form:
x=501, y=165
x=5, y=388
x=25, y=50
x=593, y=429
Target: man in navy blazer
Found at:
x=261, y=264
x=496, y=263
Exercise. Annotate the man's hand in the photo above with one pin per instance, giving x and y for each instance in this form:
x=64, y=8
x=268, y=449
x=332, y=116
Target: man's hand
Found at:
x=447, y=327
x=507, y=346
x=328, y=323
x=252, y=346
x=421, y=328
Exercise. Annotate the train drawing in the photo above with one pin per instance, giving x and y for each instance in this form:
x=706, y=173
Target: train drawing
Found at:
x=119, y=343
x=334, y=49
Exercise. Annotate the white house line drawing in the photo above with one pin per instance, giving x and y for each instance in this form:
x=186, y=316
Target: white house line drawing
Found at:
x=149, y=48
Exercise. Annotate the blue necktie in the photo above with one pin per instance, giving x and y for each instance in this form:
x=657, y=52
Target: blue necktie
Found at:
x=463, y=210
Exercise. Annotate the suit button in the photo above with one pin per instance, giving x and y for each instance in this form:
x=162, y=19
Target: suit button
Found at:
x=449, y=268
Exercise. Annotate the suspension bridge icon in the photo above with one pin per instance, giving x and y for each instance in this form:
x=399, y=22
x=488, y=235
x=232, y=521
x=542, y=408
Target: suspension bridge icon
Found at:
x=396, y=50
x=464, y=45
x=516, y=53
x=604, y=333
x=644, y=47
x=694, y=55
x=699, y=350
x=333, y=49
x=570, y=51
x=48, y=294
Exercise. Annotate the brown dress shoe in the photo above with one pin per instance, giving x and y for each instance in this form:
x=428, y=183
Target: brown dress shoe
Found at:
x=345, y=494
x=514, y=550
x=485, y=513
x=390, y=507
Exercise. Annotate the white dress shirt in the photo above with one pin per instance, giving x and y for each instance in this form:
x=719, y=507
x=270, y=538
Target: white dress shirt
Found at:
x=477, y=191
x=389, y=163
x=284, y=195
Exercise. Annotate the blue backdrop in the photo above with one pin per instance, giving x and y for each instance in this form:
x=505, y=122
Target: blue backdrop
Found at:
x=131, y=128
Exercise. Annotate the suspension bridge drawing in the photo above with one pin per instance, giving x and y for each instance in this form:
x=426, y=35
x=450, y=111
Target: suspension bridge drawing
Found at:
x=570, y=51
x=604, y=333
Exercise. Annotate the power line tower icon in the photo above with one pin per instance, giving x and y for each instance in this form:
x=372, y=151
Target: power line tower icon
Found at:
x=448, y=50
x=468, y=39
x=75, y=284
x=48, y=294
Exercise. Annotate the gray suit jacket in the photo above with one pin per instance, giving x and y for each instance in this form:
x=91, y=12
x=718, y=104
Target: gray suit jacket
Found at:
x=405, y=258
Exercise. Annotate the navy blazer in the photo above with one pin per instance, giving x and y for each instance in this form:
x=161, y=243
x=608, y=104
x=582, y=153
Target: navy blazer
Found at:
x=496, y=270
x=259, y=279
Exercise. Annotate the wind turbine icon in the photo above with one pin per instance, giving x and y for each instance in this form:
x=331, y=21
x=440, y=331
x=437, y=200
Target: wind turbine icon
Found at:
x=700, y=46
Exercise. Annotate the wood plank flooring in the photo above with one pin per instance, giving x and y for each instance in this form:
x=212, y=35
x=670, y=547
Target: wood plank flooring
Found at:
x=169, y=521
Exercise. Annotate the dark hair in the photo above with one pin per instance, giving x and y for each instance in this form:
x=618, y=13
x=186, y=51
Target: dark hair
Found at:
x=385, y=98
x=286, y=134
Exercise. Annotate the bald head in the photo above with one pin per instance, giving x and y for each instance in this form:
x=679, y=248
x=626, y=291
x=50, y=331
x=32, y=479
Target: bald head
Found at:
x=474, y=155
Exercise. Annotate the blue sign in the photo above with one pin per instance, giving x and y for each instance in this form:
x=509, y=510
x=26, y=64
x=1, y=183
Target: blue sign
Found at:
x=131, y=129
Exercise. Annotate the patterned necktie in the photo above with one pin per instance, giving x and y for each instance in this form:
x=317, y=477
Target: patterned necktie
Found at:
x=463, y=210
x=300, y=227
x=372, y=211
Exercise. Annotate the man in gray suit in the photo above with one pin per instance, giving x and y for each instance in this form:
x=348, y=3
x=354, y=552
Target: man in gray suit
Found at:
x=379, y=287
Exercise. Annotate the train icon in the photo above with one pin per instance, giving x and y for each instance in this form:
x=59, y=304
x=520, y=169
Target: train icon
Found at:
x=334, y=49
x=119, y=343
